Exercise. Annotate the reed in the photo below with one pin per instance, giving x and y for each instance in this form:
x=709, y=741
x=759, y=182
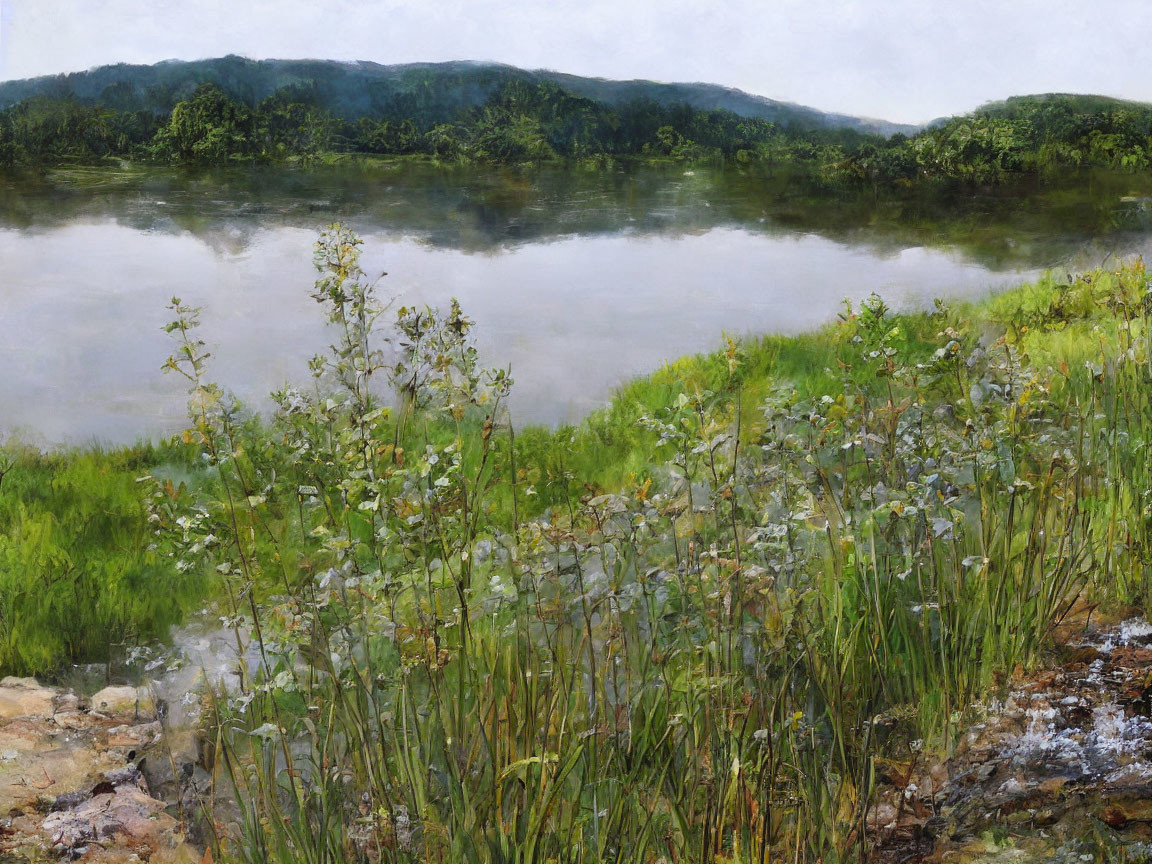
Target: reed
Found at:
x=685, y=631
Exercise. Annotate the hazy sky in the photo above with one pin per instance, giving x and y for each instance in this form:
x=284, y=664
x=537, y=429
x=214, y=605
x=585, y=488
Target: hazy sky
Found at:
x=904, y=60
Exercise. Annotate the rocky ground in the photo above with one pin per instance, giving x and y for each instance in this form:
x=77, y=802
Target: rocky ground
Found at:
x=74, y=778
x=1061, y=770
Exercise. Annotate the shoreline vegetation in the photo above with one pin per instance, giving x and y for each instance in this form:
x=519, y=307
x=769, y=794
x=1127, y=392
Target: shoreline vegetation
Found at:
x=511, y=117
x=691, y=626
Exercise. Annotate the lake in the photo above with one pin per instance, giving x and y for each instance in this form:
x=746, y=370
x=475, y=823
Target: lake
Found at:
x=577, y=280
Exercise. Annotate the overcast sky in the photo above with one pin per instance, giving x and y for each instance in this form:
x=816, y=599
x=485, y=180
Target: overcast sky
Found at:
x=902, y=60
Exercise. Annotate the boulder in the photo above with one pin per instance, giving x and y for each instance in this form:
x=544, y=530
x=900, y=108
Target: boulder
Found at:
x=19, y=683
x=70, y=782
x=128, y=812
x=24, y=697
x=136, y=737
x=123, y=701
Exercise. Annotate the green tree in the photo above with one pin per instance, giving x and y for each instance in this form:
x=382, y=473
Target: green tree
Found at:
x=208, y=128
x=506, y=137
x=50, y=130
x=294, y=129
x=388, y=136
x=445, y=141
x=7, y=144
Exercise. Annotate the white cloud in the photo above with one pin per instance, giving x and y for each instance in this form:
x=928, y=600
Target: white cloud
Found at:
x=907, y=60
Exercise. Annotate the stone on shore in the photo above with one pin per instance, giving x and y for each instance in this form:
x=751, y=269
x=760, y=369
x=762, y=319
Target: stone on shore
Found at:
x=24, y=697
x=123, y=701
x=70, y=785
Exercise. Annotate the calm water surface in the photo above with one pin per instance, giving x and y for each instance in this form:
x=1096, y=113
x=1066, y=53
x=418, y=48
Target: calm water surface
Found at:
x=576, y=280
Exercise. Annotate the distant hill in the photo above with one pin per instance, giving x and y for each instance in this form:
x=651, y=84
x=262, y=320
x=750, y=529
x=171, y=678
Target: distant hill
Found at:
x=236, y=109
x=710, y=97
x=1070, y=103
x=1047, y=135
x=1027, y=106
x=363, y=89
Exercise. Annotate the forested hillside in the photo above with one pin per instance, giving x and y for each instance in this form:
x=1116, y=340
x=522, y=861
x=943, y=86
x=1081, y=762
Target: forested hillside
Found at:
x=1022, y=135
x=472, y=113
x=234, y=110
x=429, y=93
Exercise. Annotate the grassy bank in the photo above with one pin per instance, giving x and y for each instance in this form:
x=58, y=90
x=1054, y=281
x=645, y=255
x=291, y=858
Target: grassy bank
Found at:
x=81, y=579
x=684, y=630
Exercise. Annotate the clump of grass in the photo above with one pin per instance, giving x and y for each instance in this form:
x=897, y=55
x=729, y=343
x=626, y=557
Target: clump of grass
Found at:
x=476, y=645
x=80, y=577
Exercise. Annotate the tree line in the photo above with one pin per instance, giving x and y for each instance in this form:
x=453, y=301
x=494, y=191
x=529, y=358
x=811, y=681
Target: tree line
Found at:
x=521, y=122
x=530, y=122
x=1024, y=135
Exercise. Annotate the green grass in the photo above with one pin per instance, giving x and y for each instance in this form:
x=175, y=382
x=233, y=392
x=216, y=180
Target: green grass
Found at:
x=80, y=579
x=683, y=630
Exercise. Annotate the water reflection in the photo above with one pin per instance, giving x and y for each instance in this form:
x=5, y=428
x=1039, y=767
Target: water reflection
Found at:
x=578, y=280
x=1022, y=225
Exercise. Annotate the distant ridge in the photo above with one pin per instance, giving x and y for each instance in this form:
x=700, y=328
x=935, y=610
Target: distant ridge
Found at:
x=354, y=89
x=1069, y=103
x=1073, y=103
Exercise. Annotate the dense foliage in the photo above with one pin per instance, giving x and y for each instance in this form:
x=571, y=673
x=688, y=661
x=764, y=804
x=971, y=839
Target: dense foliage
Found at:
x=531, y=121
x=478, y=645
x=433, y=92
x=518, y=123
x=1036, y=135
x=688, y=627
